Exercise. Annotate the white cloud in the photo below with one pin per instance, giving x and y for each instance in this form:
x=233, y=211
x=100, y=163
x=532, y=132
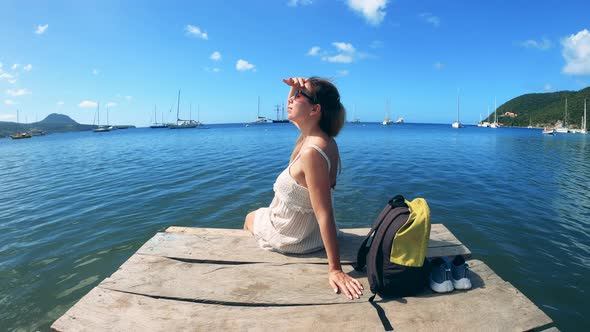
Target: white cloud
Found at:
x=340, y=58
x=215, y=56
x=545, y=44
x=6, y=76
x=9, y=102
x=344, y=47
x=28, y=67
x=439, y=65
x=15, y=66
x=41, y=29
x=243, y=65
x=431, y=19
x=576, y=51
x=372, y=10
x=95, y=72
x=17, y=92
x=196, y=31
x=314, y=51
x=88, y=104
x=345, y=53
x=547, y=87
x=295, y=3
x=111, y=104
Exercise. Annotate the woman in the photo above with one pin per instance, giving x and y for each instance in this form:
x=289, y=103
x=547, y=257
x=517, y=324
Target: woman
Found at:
x=300, y=218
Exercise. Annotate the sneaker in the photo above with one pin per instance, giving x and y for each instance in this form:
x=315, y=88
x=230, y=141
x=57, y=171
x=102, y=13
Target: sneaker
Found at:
x=459, y=272
x=440, y=276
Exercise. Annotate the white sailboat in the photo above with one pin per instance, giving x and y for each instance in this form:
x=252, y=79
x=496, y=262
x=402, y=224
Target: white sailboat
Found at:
x=457, y=124
x=563, y=129
x=260, y=119
x=182, y=124
x=100, y=128
x=495, y=123
x=156, y=123
x=387, y=120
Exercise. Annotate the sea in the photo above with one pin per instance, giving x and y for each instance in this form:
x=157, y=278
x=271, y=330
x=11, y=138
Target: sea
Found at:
x=75, y=206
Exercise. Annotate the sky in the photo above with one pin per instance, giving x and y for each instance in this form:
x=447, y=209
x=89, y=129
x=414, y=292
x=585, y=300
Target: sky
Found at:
x=132, y=57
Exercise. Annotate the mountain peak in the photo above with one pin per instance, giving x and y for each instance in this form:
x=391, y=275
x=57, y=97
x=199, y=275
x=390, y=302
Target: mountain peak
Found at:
x=59, y=119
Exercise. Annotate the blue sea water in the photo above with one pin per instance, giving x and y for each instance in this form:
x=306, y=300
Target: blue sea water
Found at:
x=75, y=206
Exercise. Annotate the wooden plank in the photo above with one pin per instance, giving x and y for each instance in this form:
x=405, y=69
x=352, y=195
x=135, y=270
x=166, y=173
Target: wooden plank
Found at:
x=435, y=228
x=263, y=284
x=217, y=247
x=494, y=305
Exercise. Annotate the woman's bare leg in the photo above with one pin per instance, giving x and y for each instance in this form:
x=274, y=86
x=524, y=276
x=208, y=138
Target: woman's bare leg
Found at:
x=249, y=222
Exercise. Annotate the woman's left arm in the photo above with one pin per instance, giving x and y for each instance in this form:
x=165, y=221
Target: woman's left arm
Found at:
x=318, y=183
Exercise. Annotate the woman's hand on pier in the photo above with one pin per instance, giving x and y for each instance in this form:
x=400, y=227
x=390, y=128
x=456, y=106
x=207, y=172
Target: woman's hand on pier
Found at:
x=344, y=283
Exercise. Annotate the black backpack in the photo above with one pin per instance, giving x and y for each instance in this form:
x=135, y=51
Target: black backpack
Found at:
x=386, y=278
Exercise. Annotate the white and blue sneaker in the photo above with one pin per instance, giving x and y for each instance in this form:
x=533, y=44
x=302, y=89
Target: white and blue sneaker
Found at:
x=459, y=272
x=440, y=276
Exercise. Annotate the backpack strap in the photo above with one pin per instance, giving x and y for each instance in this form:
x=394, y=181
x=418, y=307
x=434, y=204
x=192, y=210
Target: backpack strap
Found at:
x=361, y=259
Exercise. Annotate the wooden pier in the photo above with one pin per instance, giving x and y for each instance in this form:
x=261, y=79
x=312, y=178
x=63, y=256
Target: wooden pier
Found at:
x=204, y=279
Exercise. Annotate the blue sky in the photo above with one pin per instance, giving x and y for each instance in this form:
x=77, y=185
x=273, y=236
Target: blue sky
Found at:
x=65, y=56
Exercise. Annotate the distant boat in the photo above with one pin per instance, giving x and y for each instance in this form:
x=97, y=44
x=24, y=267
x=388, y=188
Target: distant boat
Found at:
x=100, y=129
x=583, y=129
x=260, y=120
x=548, y=131
x=182, y=124
x=17, y=134
x=400, y=120
x=563, y=129
x=387, y=121
x=282, y=119
x=457, y=124
x=495, y=123
x=156, y=124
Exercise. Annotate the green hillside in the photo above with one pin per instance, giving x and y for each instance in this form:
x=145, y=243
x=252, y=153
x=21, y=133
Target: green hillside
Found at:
x=545, y=109
x=53, y=123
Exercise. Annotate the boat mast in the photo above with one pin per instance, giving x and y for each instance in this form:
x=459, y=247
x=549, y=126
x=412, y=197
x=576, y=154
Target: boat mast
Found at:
x=565, y=114
x=457, y=104
x=178, y=108
x=585, y=119
x=98, y=113
x=258, y=107
x=495, y=111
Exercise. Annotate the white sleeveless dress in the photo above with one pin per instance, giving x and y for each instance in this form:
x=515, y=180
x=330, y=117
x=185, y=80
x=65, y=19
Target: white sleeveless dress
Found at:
x=289, y=224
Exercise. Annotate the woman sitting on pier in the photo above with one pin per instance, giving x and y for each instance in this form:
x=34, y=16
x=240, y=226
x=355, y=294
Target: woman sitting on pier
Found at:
x=300, y=218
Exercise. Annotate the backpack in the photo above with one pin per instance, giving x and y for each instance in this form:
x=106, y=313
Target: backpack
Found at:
x=396, y=252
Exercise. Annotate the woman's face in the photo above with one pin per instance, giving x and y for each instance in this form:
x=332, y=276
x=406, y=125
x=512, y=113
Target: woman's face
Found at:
x=300, y=104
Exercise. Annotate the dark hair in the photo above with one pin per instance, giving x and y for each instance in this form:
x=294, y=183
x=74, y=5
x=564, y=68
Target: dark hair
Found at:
x=333, y=113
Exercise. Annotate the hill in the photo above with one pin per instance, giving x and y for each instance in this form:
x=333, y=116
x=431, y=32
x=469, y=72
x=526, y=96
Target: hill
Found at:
x=544, y=109
x=53, y=123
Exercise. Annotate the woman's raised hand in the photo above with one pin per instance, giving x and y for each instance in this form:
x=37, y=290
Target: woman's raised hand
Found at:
x=347, y=285
x=295, y=82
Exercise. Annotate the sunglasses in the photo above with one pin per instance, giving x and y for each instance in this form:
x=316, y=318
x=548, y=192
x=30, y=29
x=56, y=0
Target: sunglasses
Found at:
x=301, y=92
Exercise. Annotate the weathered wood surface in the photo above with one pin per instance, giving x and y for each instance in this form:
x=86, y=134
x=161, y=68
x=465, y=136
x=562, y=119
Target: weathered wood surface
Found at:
x=217, y=245
x=492, y=304
x=191, y=279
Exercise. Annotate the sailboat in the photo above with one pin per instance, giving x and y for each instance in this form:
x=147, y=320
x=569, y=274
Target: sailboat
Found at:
x=563, y=128
x=17, y=134
x=156, y=124
x=355, y=120
x=99, y=129
x=182, y=124
x=495, y=123
x=457, y=124
x=387, y=120
x=282, y=118
x=260, y=119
